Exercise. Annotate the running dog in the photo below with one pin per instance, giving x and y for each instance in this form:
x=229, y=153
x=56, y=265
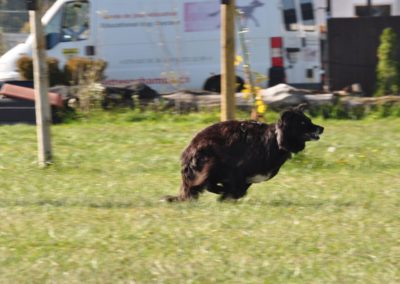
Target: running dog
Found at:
x=227, y=157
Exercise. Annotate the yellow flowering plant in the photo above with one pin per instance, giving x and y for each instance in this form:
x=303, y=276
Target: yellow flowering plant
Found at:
x=252, y=78
x=252, y=91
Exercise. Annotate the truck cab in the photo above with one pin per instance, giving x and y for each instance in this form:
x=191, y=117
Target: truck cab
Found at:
x=67, y=33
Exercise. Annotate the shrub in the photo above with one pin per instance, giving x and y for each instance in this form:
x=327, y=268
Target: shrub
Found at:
x=25, y=69
x=86, y=73
x=79, y=69
x=388, y=75
x=56, y=76
x=76, y=71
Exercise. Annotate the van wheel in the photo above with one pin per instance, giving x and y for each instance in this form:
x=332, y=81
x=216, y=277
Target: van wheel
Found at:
x=276, y=76
x=213, y=84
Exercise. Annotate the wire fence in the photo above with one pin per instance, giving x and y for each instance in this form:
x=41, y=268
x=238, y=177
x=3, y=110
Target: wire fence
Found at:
x=14, y=21
x=14, y=28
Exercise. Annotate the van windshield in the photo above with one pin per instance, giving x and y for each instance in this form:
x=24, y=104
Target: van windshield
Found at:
x=71, y=22
x=54, y=25
x=75, y=21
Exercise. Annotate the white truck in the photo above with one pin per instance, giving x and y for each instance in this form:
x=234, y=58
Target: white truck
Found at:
x=175, y=44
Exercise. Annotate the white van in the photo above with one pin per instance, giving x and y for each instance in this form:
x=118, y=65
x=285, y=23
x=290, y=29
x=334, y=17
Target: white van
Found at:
x=175, y=44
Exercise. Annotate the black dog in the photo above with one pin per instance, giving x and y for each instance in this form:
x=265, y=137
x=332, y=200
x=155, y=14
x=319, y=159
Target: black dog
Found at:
x=227, y=157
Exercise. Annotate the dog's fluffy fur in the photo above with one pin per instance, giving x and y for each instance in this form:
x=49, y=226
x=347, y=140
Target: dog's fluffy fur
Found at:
x=227, y=157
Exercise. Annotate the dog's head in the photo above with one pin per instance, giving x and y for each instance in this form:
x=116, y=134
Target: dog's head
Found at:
x=294, y=129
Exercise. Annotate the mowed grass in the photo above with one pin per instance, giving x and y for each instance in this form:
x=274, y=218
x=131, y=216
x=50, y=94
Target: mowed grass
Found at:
x=330, y=216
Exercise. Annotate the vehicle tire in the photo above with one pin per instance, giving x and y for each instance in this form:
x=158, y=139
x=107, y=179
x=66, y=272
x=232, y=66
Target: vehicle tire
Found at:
x=276, y=76
x=213, y=84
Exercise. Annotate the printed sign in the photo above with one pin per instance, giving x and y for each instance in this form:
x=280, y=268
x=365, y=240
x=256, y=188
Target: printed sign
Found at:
x=202, y=16
x=70, y=51
x=310, y=54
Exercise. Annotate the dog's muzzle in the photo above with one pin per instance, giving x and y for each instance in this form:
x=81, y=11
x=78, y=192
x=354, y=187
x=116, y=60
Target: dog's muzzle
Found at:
x=315, y=135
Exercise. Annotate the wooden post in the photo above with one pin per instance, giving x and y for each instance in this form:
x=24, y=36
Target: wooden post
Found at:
x=42, y=107
x=228, y=78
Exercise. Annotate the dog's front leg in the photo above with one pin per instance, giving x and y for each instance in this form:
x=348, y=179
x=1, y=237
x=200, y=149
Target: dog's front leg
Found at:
x=236, y=194
x=235, y=188
x=216, y=188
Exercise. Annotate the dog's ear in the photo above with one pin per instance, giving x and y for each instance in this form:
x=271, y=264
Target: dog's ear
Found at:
x=285, y=116
x=301, y=107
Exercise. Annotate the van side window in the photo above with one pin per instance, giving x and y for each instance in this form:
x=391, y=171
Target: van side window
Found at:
x=75, y=21
x=53, y=26
x=289, y=15
x=307, y=14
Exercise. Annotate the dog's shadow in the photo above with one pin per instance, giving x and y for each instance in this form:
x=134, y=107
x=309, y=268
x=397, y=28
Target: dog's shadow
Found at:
x=296, y=203
x=117, y=204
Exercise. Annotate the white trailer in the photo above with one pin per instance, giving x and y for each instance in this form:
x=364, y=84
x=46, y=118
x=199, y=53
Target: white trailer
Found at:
x=175, y=44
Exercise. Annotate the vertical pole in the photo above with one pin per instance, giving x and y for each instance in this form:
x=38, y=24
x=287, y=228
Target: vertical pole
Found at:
x=42, y=108
x=328, y=8
x=228, y=78
x=369, y=8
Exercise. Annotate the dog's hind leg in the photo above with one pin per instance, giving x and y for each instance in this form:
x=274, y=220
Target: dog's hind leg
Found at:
x=193, y=184
x=187, y=192
x=191, y=187
x=191, y=193
x=195, y=176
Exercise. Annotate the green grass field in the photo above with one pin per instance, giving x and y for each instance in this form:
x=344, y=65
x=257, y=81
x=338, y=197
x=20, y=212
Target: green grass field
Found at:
x=330, y=216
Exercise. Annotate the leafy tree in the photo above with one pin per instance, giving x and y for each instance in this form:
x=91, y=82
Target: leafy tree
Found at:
x=388, y=71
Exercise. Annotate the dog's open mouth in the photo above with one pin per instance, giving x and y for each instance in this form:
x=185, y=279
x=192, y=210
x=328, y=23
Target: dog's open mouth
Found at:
x=313, y=136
